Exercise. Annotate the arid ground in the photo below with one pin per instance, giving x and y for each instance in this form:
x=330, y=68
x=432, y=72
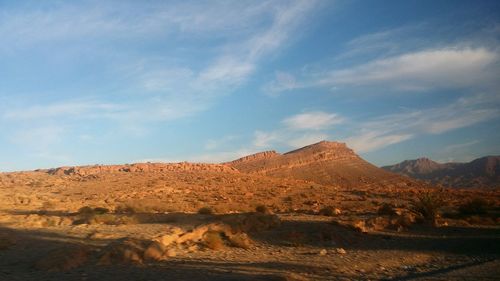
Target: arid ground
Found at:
x=258, y=218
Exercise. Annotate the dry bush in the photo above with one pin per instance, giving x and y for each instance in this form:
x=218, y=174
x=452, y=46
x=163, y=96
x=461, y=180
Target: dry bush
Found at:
x=386, y=210
x=85, y=210
x=101, y=210
x=427, y=206
x=328, y=211
x=213, y=240
x=480, y=220
x=205, y=211
x=263, y=209
x=99, y=215
x=125, y=209
x=475, y=206
x=142, y=206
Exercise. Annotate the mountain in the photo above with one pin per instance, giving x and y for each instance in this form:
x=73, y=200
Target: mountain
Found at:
x=481, y=172
x=327, y=163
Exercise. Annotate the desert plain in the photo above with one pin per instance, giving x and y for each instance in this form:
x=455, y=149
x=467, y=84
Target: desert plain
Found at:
x=317, y=213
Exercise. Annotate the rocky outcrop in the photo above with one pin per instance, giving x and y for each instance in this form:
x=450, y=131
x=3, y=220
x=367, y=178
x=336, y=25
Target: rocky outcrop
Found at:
x=139, y=168
x=256, y=157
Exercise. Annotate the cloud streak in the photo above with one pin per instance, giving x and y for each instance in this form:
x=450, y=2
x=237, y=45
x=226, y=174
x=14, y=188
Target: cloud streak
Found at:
x=429, y=69
x=395, y=128
x=316, y=120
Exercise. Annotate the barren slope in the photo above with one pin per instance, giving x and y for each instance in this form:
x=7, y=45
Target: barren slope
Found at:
x=327, y=163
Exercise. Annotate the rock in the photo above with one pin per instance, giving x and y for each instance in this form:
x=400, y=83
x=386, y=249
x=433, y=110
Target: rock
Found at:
x=340, y=251
x=154, y=252
x=323, y=252
x=173, y=252
x=123, y=251
x=170, y=238
x=360, y=226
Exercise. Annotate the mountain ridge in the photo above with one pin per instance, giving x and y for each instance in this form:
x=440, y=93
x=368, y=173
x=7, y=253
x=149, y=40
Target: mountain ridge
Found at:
x=480, y=172
x=325, y=162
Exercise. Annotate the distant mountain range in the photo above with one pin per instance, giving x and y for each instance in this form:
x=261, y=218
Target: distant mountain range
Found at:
x=481, y=172
x=326, y=163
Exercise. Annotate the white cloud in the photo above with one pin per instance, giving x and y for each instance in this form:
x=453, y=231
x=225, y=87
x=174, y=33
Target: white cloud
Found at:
x=370, y=141
x=283, y=82
x=316, y=120
x=265, y=139
x=39, y=138
x=450, y=68
x=429, y=69
x=83, y=108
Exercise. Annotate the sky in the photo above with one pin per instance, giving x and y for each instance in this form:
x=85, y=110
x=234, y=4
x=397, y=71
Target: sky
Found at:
x=109, y=82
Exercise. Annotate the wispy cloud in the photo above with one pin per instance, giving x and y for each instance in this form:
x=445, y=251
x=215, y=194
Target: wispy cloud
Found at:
x=298, y=130
x=157, y=88
x=316, y=120
x=395, y=128
x=283, y=82
x=444, y=68
x=460, y=146
x=266, y=139
x=82, y=108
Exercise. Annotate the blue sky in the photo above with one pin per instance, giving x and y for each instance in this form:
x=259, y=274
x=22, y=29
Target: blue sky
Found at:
x=85, y=82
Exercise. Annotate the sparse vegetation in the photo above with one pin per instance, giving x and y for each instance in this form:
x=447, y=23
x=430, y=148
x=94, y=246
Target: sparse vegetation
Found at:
x=386, y=210
x=205, y=211
x=475, y=206
x=328, y=211
x=263, y=209
x=427, y=206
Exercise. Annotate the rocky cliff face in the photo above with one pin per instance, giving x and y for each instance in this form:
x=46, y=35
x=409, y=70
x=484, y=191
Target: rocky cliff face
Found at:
x=329, y=163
